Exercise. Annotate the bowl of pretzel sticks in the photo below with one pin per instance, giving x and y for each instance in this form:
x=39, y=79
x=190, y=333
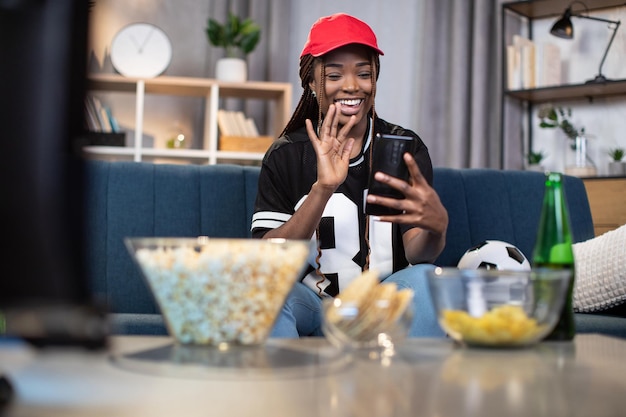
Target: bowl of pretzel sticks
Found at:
x=368, y=314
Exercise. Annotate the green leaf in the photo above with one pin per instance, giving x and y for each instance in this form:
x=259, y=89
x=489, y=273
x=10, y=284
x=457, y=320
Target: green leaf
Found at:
x=234, y=35
x=215, y=33
x=535, y=157
x=616, y=154
x=552, y=115
x=250, y=41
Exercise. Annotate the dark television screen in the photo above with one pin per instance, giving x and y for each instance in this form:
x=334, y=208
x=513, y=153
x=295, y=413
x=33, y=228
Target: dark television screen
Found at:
x=43, y=48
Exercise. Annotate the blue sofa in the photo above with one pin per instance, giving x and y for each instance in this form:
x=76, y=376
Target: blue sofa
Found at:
x=143, y=199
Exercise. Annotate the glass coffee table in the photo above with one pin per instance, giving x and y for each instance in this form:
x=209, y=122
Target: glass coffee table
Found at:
x=151, y=376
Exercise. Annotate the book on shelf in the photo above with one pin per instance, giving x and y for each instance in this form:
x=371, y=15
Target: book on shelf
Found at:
x=115, y=127
x=99, y=118
x=91, y=119
x=251, y=127
x=514, y=67
x=528, y=66
x=235, y=123
x=532, y=65
x=548, y=65
x=103, y=120
x=227, y=123
x=239, y=133
x=240, y=121
x=526, y=49
x=232, y=122
x=223, y=124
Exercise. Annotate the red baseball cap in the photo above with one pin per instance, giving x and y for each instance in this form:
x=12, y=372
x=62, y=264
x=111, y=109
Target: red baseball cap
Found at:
x=334, y=31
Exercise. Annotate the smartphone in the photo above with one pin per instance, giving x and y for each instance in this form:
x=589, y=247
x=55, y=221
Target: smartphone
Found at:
x=387, y=154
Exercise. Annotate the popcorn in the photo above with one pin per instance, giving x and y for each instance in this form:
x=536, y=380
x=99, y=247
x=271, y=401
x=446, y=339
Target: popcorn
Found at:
x=223, y=290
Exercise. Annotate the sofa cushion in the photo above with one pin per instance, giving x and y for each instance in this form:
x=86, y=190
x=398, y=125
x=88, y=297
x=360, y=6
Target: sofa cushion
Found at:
x=600, y=323
x=501, y=205
x=144, y=324
x=601, y=272
x=129, y=199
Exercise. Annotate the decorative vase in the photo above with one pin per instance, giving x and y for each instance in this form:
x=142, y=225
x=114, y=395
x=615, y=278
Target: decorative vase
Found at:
x=617, y=168
x=581, y=151
x=231, y=69
x=535, y=167
x=581, y=167
x=177, y=138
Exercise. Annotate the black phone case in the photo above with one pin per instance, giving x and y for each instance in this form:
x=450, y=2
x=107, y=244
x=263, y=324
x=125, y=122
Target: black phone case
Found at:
x=387, y=157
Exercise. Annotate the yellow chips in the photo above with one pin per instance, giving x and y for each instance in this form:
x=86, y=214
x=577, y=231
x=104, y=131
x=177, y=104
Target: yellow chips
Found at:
x=501, y=326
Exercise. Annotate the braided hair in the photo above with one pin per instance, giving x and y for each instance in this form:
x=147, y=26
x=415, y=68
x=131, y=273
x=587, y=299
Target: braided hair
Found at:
x=309, y=108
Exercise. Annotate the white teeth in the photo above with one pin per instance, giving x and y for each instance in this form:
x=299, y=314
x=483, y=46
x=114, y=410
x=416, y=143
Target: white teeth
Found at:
x=353, y=102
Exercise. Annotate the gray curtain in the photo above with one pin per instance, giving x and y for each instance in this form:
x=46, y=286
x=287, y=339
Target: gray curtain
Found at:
x=446, y=58
x=461, y=82
x=440, y=75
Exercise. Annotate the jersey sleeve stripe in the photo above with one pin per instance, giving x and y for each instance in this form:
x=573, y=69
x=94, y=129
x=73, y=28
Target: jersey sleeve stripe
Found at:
x=266, y=224
x=268, y=219
x=270, y=215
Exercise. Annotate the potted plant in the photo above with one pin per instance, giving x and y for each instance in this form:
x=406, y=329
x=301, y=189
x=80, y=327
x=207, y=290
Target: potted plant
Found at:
x=238, y=37
x=559, y=118
x=534, y=160
x=617, y=167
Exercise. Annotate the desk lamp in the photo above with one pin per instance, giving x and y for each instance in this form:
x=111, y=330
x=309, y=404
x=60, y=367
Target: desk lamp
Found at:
x=563, y=28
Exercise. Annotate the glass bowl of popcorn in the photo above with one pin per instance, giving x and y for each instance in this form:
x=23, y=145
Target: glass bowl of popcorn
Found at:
x=495, y=308
x=219, y=291
x=368, y=316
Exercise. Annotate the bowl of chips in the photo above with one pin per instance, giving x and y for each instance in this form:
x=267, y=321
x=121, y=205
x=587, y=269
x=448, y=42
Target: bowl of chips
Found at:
x=496, y=308
x=368, y=314
x=219, y=291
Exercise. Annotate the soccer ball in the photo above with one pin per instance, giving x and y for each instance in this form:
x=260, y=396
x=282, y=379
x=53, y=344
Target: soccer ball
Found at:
x=494, y=254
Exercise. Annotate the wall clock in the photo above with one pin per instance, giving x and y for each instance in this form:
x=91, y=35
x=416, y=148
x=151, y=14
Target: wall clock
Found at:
x=141, y=50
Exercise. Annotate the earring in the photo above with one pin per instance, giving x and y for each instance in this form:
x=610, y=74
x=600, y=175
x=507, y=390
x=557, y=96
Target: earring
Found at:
x=313, y=92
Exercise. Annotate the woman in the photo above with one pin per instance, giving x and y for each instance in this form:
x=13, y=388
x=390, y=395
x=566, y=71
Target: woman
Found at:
x=314, y=178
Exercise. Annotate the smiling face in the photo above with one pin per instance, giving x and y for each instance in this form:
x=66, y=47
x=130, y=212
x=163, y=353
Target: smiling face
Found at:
x=348, y=83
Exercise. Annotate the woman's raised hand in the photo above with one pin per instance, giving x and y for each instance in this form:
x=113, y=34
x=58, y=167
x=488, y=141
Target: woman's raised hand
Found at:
x=332, y=147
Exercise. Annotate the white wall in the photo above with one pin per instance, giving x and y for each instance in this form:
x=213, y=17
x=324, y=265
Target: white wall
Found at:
x=398, y=34
x=604, y=119
x=184, y=21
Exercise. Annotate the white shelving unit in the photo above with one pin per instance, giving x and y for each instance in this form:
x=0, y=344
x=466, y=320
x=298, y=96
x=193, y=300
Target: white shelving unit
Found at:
x=211, y=90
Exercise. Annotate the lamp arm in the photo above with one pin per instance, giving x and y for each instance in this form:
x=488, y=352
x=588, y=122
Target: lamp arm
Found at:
x=608, y=47
x=599, y=19
x=606, y=51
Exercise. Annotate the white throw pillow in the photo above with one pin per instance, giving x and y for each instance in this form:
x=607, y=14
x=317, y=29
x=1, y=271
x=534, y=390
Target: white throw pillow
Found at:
x=600, y=272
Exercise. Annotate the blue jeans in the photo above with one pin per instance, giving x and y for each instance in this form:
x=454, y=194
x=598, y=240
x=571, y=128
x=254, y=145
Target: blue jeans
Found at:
x=302, y=313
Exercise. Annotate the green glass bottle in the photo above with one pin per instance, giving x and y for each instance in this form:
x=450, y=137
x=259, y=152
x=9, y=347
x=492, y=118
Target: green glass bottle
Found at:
x=553, y=248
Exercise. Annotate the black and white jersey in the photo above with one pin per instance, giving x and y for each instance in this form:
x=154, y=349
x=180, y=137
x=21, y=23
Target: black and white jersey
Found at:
x=287, y=174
